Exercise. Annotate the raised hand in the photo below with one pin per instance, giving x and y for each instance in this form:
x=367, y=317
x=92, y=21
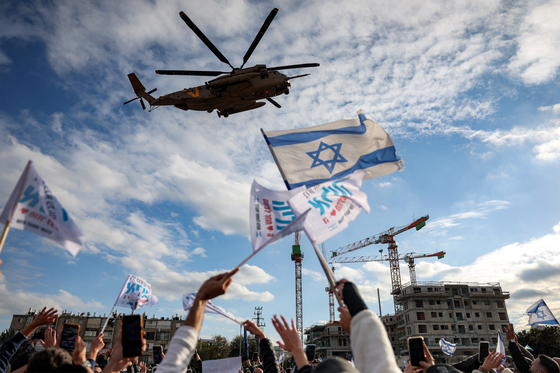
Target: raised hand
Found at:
x=215, y=286
x=79, y=353
x=143, y=367
x=493, y=360
x=290, y=337
x=96, y=345
x=252, y=328
x=50, y=338
x=43, y=318
x=345, y=319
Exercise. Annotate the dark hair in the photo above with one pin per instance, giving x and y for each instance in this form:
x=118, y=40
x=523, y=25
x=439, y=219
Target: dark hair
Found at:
x=550, y=365
x=21, y=360
x=48, y=359
x=69, y=368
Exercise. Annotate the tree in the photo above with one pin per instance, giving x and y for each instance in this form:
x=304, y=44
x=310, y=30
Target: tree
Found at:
x=6, y=334
x=543, y=341
x=237, y=341
x=216, y=348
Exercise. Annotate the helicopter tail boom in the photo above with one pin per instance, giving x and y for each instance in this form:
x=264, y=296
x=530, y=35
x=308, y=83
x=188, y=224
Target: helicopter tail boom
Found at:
x=139, y=88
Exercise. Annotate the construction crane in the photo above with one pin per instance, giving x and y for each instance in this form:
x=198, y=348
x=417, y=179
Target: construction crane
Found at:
x=329, y=290
x=393, y=254
x=407, y=258
x=297, y=257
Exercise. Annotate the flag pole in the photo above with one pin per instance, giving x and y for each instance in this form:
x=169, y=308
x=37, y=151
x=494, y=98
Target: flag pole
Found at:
x=114, y=305
x=328, y=272
x=22, y=181
x=4, y=234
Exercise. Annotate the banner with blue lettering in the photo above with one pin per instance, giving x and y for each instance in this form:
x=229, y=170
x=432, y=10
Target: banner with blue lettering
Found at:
x=333, y=205
x=32, y=207
x=136, y=293
x=270, y=216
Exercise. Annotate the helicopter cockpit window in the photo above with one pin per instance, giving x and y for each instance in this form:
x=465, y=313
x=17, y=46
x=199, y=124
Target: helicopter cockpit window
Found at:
x=275, y=72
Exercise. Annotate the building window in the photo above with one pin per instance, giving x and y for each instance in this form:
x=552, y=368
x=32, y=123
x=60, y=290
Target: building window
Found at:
x=474, y=303
x=476, y=314
x=434, y=314
x=436, y=327
x=430, y=290
x=479, y=327
x=483, y=290
x=466, y=303
x=150, y=336
x=408, y=330
x=494, y=341
x=471, y=328
x=459, y=316
x=468, y=315
x=162, y=336
x=18, y=320
x=489, y=314
x=474, y=340
x=407, y=318
x=340, y=341
x=422, y=329
x=491, y=327
x=440, y=314
x=438, y=302
x=486, y=302
x=502, y=316
x=457, y=304
x=419, y=303
x=444, y=327
x=432, y=302
x=504, y=328
x=500, y=304
x=420, y=316
x=344, y=341
x=450, y=315
x=417, y=290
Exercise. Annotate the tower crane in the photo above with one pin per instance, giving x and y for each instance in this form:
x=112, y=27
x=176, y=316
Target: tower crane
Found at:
x=297, y=257
x=407, y=258
x=393, y=254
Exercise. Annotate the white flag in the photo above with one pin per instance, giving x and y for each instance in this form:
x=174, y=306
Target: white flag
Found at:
x=539, y=313
x=188, y=302
x=32, y=207
x=333, y=205
x=271, y=217
x=447, y=347
x=136, y=293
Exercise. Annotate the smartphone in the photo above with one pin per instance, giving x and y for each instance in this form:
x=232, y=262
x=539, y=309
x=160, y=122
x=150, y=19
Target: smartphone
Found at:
x=483, y=350
x=39, y=335
x=157, y=354
x=68, y=336
x=310, y=352
x=416, y=351
x=255, y=356
x=132, y=335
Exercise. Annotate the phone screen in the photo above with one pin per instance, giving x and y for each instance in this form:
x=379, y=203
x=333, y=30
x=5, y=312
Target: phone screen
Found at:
x=132, y=335
x=483, y=350
x=310, y=352
x=68, y=336
x=157, y=354
x=255, y=356
x=416, y=351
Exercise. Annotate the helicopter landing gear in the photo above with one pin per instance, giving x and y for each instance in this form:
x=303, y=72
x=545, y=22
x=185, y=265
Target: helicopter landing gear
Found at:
x=224, y=114
x=287, y=91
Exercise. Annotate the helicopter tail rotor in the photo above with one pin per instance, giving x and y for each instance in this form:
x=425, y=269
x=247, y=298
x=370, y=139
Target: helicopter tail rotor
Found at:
x=140, y=91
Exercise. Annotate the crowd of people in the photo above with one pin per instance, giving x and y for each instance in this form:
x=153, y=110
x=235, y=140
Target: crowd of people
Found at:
x=371, y=349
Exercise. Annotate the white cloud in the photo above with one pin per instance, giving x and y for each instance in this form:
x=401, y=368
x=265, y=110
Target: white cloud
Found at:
x=554, y=108
x=538, y=55
x=315, y=276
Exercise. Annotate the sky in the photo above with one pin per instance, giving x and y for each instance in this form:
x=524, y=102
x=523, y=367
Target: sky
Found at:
x=468, y=90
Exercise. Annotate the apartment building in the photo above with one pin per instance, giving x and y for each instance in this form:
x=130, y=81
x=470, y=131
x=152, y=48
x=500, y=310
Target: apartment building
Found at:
x=329, y=340
x=159, y=331
x=464, y=313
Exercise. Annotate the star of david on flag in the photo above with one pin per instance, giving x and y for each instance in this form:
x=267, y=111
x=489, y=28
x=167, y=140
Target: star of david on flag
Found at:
x=539, y=313
x=447, y=347
x=329, y=163
x=318, y=154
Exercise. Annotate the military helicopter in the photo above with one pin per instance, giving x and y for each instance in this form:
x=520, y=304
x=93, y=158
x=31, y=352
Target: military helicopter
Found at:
x=232, y=92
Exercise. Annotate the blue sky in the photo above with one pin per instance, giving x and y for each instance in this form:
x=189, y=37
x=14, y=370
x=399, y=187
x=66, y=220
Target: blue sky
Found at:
x=468, y=91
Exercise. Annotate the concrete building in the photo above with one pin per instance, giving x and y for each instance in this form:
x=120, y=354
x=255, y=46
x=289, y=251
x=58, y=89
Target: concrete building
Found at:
x=329, y=340
x=464, y=313
x=159, y=331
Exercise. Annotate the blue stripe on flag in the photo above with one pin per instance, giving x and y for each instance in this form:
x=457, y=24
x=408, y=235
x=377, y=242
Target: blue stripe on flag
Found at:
x=304, y=137
x=378, y=157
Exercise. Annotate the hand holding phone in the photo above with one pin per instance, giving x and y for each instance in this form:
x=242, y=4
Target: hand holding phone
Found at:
x=416, y=351
x=157, y=350
x=483, y=350
x=68, y=336
x=132, y=335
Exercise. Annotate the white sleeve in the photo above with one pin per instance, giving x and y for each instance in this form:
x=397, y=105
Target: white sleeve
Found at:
x=180, y=352
x=370, y=345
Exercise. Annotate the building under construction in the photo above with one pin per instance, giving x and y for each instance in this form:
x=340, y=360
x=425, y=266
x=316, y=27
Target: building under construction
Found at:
x=464, y=313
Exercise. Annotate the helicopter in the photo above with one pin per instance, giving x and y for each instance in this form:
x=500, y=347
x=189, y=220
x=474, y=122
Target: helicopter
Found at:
x=231, y=92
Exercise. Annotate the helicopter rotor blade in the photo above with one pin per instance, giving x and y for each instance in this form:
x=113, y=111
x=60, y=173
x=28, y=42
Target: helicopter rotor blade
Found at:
x=204, y=39
x=135, y=98
x=142, y=103
x=273, y=102
x=259, y=36
x=301, y=65
x=152, y=91
x=190, y=72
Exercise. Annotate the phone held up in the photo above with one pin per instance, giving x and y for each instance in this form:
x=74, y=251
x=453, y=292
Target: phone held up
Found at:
x=68, y=336
x=310, y=352
x=416, y=351
x=255, y=356
x=132, y=335
x=483, y=351
x=157, y=350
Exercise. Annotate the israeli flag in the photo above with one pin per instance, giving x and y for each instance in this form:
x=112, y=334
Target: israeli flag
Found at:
x=447, y=347
x=500, y=348
x=539, y=313
x=281, y=360
x=317, y=154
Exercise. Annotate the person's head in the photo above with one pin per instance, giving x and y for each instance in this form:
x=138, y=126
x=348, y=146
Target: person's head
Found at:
x=334, y=365
x=544, y=364
x=69, y=368
x=258, y=370
x=22, y=360
x=48, y=359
